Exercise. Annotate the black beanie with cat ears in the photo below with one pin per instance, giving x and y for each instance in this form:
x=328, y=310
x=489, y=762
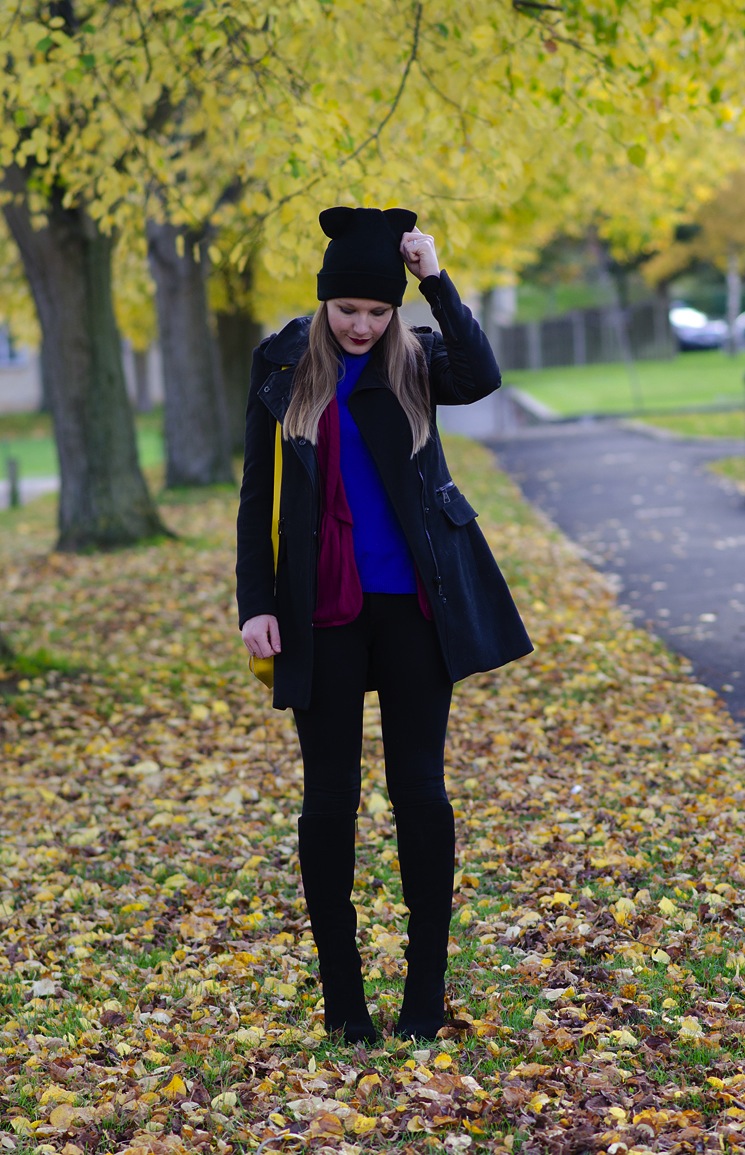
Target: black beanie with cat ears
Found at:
x=363, y=257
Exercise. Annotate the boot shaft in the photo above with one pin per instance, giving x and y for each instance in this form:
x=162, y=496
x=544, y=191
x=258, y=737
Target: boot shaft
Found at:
x=426, y=856
x=326, y=849
x=327, y=857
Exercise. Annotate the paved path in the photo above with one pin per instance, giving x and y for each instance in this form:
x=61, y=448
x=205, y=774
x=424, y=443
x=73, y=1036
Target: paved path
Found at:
x=645, y=508
x=30, y=488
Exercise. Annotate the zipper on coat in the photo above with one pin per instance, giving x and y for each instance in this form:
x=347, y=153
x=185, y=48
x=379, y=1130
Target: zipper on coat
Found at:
x=443, y=489
x=316, y=527
x=437, y=579
x=315, y=549
x=315, y=544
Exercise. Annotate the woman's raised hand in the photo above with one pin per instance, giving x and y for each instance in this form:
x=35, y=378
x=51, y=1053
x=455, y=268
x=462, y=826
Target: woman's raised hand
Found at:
x=419, y=254
x=261, y=636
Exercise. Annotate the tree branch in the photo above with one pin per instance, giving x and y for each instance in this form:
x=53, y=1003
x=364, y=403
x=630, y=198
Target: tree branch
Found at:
x=372, y=138
x=528, y=5
x=145, y=45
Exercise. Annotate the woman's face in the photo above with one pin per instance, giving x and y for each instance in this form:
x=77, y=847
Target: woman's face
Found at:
x=358, y=323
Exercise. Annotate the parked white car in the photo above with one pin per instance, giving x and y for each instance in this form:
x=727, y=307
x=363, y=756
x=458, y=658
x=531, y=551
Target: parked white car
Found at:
x=694, y=330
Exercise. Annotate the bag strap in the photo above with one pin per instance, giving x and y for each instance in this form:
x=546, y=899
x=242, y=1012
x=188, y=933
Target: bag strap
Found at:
x=277, y=492
x=263, y=668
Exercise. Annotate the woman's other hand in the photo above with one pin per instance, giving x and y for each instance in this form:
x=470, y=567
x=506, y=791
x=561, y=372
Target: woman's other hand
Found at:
x=419, y=254
x=261, y=636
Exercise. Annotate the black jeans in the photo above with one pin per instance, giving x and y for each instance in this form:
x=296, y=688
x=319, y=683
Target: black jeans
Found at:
x=392, y=645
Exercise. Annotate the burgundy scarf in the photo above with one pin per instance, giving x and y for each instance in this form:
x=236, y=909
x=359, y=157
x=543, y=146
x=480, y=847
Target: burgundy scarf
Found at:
x=339, y=599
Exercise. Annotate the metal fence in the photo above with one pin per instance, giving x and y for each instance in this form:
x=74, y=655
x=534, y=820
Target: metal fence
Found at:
x=586, y=337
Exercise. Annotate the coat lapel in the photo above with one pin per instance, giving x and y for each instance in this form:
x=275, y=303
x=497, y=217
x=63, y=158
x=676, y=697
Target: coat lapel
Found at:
x=276, y=390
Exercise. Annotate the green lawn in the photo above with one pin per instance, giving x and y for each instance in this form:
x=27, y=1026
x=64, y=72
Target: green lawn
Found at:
x=708, y=378
x=731, y=424
x=732, y=468
x=159, y=985
x=28, y=438
x=690, y=379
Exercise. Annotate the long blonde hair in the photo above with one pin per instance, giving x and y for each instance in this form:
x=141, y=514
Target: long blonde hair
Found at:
x=319, y=369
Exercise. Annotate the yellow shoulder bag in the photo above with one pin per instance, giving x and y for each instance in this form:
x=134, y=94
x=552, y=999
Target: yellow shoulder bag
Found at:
x=263, y=668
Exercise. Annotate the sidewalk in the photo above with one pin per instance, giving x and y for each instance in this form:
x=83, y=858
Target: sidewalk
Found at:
x=30, y=488
x=645, y=509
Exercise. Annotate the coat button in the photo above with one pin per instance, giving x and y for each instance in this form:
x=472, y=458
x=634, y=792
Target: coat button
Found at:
x=267, y=388
x=426, y=509
x=301, y=441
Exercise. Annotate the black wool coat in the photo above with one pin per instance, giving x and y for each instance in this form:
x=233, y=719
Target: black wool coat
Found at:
x=477, y=623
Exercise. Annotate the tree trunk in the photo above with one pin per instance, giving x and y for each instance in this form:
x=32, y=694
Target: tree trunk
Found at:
x=196, y=424
x=46, y=391
x=619, y=315
x=104, y=501
x=734, y=298
x=6, y=651
x=238, y=334
x=488, y=320
x=143, y=395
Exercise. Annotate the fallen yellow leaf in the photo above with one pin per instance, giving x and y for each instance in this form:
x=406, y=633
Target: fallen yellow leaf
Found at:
x=623, y=910
x=624, y=1038
x=175, y=1088
x=363, y=1124
x=57, y=1094
x=690, y=1028
x=366, y=1084
x=225, y=1101
x=377, y=804
x=63, y=1117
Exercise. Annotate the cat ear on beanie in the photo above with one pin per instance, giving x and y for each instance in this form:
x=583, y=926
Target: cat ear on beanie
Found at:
x=401, y=220
x=363, y=257
x=336, y=220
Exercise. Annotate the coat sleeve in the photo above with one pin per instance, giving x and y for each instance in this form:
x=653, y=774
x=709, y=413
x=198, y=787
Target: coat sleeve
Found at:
x=462, y=366
x=255, y=558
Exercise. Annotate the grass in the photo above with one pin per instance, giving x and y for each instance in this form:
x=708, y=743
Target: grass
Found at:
x=708, y=378
x=28, y=437
x=660, y=809
x=690, y=379
x=732, y=468
x=731, y=424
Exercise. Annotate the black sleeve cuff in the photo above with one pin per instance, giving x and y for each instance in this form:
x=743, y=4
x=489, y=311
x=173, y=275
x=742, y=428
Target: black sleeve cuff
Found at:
x=429, y=287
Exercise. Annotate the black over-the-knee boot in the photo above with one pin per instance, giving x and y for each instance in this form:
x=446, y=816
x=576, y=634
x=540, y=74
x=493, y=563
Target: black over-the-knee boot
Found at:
x=326, y=850
x=426, y=854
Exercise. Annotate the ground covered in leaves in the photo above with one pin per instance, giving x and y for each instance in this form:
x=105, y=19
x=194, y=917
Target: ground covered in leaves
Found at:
x=157, y=973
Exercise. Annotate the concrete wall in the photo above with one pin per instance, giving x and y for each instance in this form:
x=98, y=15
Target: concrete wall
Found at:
x=492, y=417
x=20, y=384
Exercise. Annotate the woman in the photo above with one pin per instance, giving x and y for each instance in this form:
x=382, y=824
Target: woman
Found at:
x=383, y=580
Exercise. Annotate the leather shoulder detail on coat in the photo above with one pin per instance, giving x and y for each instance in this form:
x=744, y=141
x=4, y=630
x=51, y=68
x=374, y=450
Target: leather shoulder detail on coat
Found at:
x=288, y=346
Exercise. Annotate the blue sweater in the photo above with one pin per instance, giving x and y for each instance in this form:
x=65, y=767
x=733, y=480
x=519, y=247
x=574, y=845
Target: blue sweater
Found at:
x=381, y=551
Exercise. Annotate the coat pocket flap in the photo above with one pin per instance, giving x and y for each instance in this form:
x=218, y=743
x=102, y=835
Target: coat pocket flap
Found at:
x=458, y=510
